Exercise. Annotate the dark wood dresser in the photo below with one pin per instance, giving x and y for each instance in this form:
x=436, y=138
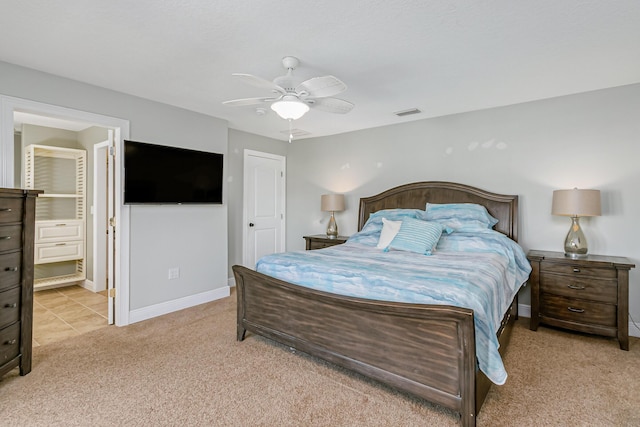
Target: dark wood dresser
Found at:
x=17, y=219
x=320, y=241
x=588, y=294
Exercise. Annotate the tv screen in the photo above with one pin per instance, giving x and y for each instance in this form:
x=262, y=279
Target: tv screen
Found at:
x=167, y=175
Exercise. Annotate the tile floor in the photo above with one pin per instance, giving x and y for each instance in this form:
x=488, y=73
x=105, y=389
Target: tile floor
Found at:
x=65, y=312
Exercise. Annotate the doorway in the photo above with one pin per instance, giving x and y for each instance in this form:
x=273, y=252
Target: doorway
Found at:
x=119, y=130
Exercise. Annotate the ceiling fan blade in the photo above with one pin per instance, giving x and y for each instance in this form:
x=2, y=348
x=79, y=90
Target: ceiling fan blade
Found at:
x=258, y=82
x=248, y=101
x=331, y=105
x=320, y=87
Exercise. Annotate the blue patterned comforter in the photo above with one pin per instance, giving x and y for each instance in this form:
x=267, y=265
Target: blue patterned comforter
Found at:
x=481, y=270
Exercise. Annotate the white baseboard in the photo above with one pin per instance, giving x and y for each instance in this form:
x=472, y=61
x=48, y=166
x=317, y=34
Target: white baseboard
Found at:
x=231, y=282
x=525, y=311
x=156, y=310
x=89, y=285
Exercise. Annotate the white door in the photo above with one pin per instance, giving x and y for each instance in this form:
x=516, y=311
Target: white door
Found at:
x=104, y=221
x=264, y=206
x=111, y=229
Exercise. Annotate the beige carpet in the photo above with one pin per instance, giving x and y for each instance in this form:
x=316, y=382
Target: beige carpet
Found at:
x=186, y=369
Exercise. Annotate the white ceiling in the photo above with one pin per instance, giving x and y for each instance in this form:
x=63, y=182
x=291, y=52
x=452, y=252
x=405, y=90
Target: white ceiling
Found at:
x=441, y=56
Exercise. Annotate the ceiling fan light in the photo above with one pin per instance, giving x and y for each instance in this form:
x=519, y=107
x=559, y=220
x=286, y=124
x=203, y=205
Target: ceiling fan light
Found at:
x=290, y=109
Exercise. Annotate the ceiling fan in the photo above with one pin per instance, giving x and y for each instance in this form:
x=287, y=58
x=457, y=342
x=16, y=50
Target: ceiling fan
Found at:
x=290, y=100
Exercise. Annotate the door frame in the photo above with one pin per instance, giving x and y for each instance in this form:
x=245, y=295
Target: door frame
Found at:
x=245, y=198
x=120, y=127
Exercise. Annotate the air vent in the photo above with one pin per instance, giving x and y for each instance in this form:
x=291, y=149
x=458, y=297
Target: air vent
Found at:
x=407, y=112
x=295, y=132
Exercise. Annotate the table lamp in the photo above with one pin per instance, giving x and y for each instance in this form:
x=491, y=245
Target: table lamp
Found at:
x=576, y=203
x=332, y=203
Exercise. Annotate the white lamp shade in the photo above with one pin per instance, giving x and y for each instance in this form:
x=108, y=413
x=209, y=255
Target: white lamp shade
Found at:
x=332, y=202
x=576, y=202
x=290, y=107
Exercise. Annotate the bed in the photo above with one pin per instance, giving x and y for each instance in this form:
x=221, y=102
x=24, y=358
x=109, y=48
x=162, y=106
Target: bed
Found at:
x=428, y=350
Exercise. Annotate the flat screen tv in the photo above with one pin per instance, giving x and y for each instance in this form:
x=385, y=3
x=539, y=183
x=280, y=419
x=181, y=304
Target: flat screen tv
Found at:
x=158, y=174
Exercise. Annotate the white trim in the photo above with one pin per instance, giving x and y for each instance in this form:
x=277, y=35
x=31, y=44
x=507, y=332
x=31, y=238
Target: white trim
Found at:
x=94, y=209
x=231, y=282
x=10, y=104
x=634, y=331
x=524, y=310
x=167, y=307
x=88, y=285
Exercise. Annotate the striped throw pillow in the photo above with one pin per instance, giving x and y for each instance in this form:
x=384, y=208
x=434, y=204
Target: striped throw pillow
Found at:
x=417, y=236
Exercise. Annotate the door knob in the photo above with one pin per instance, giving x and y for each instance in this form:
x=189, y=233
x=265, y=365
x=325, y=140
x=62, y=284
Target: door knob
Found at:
x=251, y=224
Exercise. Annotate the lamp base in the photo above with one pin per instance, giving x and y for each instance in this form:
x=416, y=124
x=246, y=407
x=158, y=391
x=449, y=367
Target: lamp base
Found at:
x=576, y=256
x=332, y=228
x=575, y=244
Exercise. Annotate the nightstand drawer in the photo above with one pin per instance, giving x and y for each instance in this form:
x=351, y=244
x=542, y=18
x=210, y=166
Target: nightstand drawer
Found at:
x=588, y=288
x=320, y=245
x=580, y=311
x=577, y=271
x=321, y=241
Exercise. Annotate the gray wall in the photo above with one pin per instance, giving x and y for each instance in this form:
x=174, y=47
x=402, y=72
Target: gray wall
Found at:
x=589, y=140
x=193, y=238
x=238, y=142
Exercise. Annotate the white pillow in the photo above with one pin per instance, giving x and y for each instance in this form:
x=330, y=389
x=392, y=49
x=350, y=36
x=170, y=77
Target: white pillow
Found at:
x=389, y=231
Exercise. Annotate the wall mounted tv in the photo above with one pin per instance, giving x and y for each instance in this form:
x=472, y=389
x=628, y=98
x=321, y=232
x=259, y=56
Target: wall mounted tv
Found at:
x=158, y=174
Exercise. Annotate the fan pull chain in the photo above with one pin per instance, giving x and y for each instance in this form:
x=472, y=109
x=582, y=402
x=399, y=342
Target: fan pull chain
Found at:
x=290, y=130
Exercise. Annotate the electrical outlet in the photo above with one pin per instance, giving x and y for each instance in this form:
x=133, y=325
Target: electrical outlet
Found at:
x=174, y=273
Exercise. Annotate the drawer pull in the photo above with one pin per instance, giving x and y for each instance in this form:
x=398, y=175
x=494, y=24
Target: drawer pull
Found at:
x=61, y=225
x=11, y=269
x=10, y=342
x=575, y=310
x=61, y=244
x=6, y=210
x=5, y=237
x=578, y=288
x=576, y=270
x=14, y=305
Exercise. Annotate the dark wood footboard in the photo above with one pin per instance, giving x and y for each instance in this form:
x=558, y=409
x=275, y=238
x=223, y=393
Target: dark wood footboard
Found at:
x=425, y=350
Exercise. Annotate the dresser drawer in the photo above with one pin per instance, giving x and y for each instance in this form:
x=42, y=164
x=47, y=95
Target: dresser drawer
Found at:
x=579, y=311
x=9, y=342
x=10, y=210
x=56, y=252
x=10, y=237
x=577, y=271
x=9, y=307
x=583, y=287
x=10, y=266
x=59, y=231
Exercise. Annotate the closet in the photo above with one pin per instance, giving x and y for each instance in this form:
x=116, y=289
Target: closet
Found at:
x=60, y=226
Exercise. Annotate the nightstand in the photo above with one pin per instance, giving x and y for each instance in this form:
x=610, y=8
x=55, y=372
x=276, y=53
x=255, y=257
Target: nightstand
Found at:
x=320, y=241
x=587, y=295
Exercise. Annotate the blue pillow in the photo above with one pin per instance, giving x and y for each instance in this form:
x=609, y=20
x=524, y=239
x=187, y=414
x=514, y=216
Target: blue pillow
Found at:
x=374, y=223
x=416, y=236
x=459, y=216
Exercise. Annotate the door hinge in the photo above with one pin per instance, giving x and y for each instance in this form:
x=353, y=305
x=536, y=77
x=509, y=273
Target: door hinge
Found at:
x=112, y=293
x=112, y=221
x=112, y=150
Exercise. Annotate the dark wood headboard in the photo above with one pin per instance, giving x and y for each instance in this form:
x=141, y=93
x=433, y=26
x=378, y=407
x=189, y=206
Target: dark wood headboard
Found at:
x=416, y=195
